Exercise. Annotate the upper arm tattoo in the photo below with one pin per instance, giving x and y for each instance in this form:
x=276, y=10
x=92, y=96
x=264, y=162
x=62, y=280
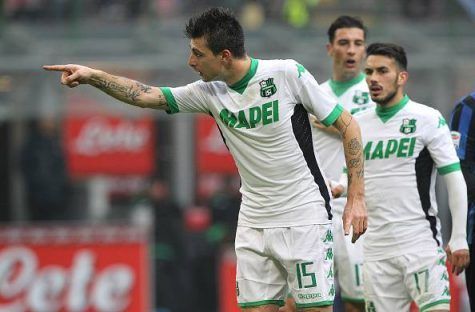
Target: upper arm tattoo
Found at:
x=345, y=125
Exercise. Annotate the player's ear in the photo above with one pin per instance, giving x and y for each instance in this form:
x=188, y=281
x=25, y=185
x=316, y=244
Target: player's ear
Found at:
x=402, y=77
x=329, y=49
x=226, y=55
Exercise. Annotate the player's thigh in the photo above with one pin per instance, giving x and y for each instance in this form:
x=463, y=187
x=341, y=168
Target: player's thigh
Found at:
x=260, y=279
x=307, y=254
x=427, y=280
x=348, y=264
x=384, y=288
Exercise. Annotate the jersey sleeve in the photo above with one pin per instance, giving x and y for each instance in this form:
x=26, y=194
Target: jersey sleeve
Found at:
x=314, y=98
x=186, y=99
x=439, y=142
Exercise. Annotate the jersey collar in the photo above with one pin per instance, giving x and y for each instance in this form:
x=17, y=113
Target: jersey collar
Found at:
x=387, y=113
x=340, y=87
x=241, y=85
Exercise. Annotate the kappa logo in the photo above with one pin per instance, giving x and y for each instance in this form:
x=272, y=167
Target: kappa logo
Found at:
x=408, y=126
x=268, y=87
x=442, y=122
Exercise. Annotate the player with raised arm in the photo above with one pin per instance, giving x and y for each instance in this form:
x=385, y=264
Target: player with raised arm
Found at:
x=261, y=108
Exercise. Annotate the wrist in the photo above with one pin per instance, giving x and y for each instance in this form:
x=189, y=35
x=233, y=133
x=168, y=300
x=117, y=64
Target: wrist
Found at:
x=458, y=243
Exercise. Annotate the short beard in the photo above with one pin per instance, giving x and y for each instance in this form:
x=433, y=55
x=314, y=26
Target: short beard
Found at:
x=386, y=100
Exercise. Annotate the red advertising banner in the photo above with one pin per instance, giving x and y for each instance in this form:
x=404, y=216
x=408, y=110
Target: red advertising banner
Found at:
x=212, y=154
x=109, y=145
x=77, y=268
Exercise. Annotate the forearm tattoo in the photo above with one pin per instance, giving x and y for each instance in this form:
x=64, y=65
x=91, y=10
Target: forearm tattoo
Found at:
x=354, y=147
x=354, y=162
x=127, y=91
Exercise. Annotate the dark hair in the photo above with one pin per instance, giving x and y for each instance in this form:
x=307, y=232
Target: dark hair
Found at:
x=345, y=21
x=390, y=50
x=220, y=29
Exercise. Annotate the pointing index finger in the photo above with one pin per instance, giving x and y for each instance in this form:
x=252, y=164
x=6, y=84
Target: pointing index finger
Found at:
x=56, y=67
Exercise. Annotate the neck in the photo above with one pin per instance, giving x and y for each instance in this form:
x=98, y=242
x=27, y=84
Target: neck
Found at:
x=343, y=77
x=237, y=70
x=395, y=100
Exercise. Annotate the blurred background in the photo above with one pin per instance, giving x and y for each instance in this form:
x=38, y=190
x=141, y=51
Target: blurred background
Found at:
x=103, y=200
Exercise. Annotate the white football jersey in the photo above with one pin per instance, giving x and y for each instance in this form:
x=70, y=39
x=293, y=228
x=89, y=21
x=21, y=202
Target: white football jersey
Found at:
x=354, y=96
x=264, y=122
x=403, y=146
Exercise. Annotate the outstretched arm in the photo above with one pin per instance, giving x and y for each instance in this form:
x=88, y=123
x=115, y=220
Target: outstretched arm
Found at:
x=121, y=88
x=355, y=210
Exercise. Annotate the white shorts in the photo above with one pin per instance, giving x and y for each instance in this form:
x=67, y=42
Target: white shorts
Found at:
x=391, y=284
x=348, y=262
x=273, y=262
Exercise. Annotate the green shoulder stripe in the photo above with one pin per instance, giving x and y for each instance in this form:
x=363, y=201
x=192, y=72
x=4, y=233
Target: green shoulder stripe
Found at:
x=333, y=115
x=172, y=106
x=449, y=168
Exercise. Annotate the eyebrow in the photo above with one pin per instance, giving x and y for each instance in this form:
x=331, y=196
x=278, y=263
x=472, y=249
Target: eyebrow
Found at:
x=195, y=49
x=375, y=68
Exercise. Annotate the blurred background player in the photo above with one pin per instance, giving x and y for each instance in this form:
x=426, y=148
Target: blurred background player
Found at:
x=346, y=48
x=405, y=142
x=463, y=136
x=284, y=234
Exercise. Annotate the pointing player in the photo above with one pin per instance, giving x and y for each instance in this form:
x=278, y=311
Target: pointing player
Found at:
x=261, y=107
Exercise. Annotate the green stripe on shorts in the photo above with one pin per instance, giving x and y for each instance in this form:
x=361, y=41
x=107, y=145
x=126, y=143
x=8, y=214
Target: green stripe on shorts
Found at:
x=314, y=304
x=429, y=305
x=280, y=303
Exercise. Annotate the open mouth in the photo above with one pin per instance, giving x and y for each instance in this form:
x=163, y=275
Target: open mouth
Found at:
x=375, y=90
x=350, y=63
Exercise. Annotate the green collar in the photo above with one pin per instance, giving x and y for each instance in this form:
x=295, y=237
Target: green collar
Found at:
x=241, y=85
x=340, y=87
x=387, y=113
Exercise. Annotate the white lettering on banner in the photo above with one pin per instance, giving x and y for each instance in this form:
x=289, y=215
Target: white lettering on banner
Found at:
x=98, y=136
x=30, y=289
x=113, y=284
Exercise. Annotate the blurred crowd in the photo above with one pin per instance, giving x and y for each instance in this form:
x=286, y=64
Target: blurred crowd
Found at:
x=254, y=13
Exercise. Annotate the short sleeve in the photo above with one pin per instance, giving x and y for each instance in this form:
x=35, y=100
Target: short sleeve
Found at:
x=186, y=99
x=314, y=98
x=439, y=142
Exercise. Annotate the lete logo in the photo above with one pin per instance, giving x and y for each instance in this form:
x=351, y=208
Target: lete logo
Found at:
x=455, y=138
x=99, y=136
x=55, y=288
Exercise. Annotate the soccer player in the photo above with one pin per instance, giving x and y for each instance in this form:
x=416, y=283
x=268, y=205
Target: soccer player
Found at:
x=405, y=144
x=284, y=235
x=346, y=48
x=463, y=135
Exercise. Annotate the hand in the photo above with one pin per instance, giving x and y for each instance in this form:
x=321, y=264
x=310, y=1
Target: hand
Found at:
x=336, y=189
x=317, y=124
x=355, y=216
x=459, y=259
x=72, y=75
